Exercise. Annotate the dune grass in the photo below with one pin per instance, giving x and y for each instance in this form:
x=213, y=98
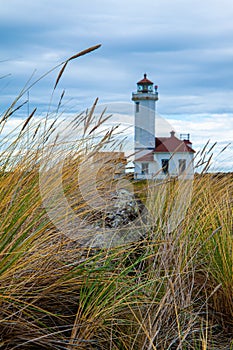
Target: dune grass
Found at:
x=170, y=290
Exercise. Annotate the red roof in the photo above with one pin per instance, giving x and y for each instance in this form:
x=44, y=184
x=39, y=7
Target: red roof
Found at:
x=167, y=145
x=172, y=144
x=145, y=81
x=146, y=158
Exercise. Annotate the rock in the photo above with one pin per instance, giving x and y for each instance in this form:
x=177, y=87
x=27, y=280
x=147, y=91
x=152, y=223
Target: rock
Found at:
x=120, y=222
x=124, y=209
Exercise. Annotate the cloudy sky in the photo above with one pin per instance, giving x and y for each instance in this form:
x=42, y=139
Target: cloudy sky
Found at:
x=185, y=47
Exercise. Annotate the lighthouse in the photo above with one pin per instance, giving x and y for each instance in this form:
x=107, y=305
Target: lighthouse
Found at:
x=144, y=122
x=157, y=157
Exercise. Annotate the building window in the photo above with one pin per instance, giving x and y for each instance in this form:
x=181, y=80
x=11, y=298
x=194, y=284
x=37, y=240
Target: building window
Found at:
x=165, y=165
x=182, y=165
x=145, y=168
x=137, y=107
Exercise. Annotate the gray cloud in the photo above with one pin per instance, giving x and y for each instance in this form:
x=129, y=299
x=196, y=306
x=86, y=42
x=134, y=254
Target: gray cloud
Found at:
x=185, y=47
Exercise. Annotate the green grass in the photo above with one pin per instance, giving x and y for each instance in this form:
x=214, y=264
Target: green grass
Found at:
x=171, y=290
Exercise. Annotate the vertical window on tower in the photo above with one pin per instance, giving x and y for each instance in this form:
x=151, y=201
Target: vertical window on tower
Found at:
x=145, y=168
x=165, y=165
x=182, y=165
x=137, y=107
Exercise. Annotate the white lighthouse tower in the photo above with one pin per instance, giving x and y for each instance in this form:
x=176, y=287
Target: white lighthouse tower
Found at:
x=144, y=125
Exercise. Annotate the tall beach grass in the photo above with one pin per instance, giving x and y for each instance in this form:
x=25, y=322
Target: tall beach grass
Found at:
x=169, y=290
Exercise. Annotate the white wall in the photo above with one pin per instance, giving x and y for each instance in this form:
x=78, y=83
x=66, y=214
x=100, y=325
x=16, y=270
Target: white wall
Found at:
x=155, y=167
x=174, y=162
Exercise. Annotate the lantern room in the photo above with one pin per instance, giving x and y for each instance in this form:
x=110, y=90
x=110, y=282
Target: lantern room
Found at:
x=145, y=85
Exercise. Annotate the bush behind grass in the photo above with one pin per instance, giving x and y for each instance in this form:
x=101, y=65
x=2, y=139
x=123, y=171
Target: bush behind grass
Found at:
x=171, y=290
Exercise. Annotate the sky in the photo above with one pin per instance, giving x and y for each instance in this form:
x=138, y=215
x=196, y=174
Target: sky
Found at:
x=185, y=47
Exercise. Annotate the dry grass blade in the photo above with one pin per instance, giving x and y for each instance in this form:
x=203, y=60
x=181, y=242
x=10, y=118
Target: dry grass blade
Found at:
x=6, y=75
x=10, y=112
x=208, y=163
x=88, y=120
x=84, y=52
x=205, y=147
x=36, y=131
x=60, y=101
x=224, y=148
x=79, y=54
x=28, y=119
x=212, y=147
x=60, y=74
x=101, y=121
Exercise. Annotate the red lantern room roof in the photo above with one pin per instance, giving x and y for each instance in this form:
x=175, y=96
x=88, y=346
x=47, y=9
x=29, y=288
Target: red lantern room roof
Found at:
x=145, y=81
